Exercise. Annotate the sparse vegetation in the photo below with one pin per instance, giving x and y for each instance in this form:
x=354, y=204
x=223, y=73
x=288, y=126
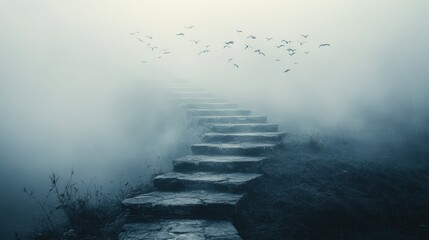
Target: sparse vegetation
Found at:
x=341, y=191
x=71, y=211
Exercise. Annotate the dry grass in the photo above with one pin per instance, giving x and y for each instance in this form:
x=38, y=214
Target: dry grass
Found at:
x=331, y=190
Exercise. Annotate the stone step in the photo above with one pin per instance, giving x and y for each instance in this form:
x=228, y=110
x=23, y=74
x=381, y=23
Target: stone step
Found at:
x=243, y=127
x=188, y=203
x=218, y=112
x=218, y=163
x=192, y=94
x=247, y=149
x=263, y=137
x=198, y=100
x=180, y=229
x=209, y=105
x=231, y=119
x=181, y=89
x=204, y=180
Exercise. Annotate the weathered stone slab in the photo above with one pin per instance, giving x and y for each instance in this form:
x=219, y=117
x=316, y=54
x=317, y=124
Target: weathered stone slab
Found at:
x=248, y=149
x=180, y=229
x=264, y=137
x=243, y=127
x=209, y=105
x=204, y=180
x=218, y=112
x=197, y=100
x=231, y=119
x=192, y=94
x=187, y=203
x=218, y=163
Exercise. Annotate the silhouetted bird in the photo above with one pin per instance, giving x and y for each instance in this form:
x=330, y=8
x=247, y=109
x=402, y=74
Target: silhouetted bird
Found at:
x=305, y=36
x=165, y=49
x=287, y=70
x=134, y=33
x=279, y=46
x=189, y=27
x=306, y=52
x=204, y=51
x=230, y=42
x=195, y=41
x=251, y=37
x=226, y=46
x=141, y=40
x=269, y=39
x=247, y=46
x=325, y=45
x=239, y=31
x=166, y=53
x=292, y=53
x=287, y=42
x=148, y=36
x=180, y=34
x=291, y=50
x=229, y=60
x=301, y=43
x=207, y=46
x=235, y=65
x=277, y=60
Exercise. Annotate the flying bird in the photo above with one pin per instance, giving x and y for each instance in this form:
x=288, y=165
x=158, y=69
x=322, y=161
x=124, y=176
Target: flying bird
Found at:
x=189, y=27
x=239, y=31
x=292, y=53
x=230, y=42
x=148, y=36
x=195, y=41
x=287, y=70
x=141, y=40
x=258, y=50
x=204, y=51
x=235, y=65
x=325, y=45
x=180, y=34
x=301, y=43
x=207, y=46
x=226, y=46
x=279, y=46
x=251, y=37
x=291, y=50
x=165, y=49
x=287, y=42
x=134, y=33
x=269, y=39
x=306, y=52
x=153, y=47
x=247, y=46
x=305, y=36
x=277, y=60
x=229, y=60
x=166, y=53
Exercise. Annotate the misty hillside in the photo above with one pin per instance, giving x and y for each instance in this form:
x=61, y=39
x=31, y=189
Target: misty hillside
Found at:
x=345, y=82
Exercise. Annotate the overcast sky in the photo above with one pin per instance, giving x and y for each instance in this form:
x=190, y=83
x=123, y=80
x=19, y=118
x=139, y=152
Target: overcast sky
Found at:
x=72, y=81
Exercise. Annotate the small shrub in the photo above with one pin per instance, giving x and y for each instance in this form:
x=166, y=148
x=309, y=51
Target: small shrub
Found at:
x=81, y=211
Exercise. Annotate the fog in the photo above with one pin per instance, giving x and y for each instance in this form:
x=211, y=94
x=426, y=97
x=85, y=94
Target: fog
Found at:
x=74, y=93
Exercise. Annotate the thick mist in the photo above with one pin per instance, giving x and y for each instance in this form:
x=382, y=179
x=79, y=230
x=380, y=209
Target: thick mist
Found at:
x=74, y=93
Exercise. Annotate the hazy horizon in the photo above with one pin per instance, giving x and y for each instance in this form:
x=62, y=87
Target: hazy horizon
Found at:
x=74, y=91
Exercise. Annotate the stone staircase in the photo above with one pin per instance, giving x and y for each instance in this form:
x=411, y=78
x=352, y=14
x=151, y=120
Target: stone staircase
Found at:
x=197, y=199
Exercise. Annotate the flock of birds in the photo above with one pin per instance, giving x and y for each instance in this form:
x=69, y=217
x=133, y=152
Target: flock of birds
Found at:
x=291, y=47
